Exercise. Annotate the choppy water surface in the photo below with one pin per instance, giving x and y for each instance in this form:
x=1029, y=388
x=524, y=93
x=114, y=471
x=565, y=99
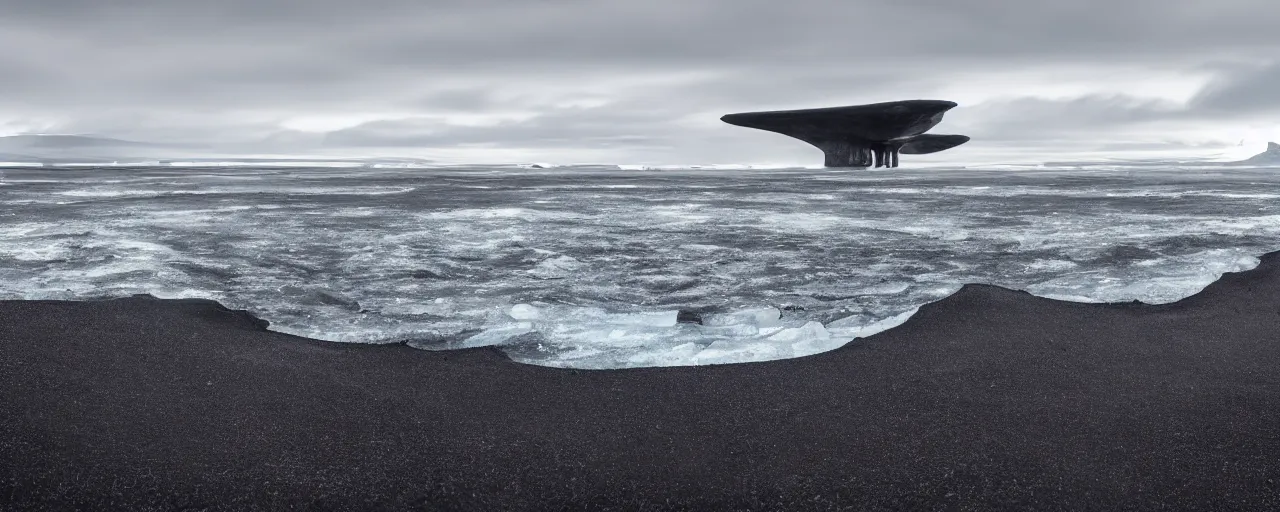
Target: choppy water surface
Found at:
x=587, y=267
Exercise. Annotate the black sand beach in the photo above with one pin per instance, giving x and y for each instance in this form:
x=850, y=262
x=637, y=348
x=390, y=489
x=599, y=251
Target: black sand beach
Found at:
x=988, y=399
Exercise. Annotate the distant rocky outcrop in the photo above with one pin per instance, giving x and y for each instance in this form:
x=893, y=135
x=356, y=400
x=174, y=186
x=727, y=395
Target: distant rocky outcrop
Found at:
x=1270, y=156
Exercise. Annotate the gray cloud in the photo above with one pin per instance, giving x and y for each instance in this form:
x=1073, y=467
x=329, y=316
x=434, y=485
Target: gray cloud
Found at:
x=654, y=74
x=1082, y=117
x=1250, y=91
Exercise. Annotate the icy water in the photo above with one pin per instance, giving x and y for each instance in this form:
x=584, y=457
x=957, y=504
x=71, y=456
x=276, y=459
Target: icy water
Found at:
x=589, y=266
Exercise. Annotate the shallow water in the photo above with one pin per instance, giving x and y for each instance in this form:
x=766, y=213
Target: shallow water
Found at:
x=588, y=266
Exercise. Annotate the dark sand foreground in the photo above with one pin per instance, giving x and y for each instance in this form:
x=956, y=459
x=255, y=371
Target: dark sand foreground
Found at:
x=987, y=399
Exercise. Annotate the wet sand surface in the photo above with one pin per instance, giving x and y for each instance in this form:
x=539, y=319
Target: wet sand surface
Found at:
x=990, y=398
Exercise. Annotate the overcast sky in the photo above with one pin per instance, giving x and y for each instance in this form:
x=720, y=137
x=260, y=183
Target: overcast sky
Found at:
x=640, y=81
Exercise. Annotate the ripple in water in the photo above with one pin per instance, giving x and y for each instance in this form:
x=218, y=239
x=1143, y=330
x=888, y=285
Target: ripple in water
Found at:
x=604, y=268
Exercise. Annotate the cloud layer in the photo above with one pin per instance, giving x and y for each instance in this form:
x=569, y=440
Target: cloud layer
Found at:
x=634, y=80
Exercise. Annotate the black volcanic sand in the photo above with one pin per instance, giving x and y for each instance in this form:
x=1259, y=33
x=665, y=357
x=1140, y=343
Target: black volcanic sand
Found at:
x=989, y=398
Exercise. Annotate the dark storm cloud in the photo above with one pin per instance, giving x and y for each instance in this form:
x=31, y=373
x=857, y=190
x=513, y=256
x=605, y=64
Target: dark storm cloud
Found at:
x=236, y=70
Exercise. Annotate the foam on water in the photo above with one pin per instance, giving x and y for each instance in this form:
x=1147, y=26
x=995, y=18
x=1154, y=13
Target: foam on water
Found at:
x=597, y=267
x=313, y=191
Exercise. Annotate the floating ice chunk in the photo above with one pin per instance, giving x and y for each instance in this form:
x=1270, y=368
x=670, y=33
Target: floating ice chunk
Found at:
x=741, y=351
x=886, y=324
x=524, y=312
x=737, y=330
x=813, y=338
x=649, y=319
x=497, y=335
x=673, y=356
x=558, y=267
x=1068, y=297
x=597, y=316
x=861, y=326
x=810, y=330
x=185, y=293
x=576, y=336
x=810, y=338
x=1173, y=279
x=757, y=317
x=769, y=331
x=849, y=322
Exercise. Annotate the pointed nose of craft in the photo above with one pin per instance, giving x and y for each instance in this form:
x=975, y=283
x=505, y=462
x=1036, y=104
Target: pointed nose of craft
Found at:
x=731, y=118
